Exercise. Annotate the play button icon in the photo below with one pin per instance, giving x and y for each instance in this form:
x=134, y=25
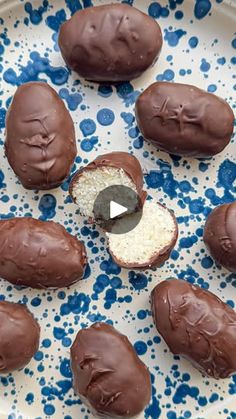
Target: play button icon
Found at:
x=115, y=204
x=117, y=210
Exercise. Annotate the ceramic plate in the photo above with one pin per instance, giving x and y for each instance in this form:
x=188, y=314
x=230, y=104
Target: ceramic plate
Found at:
x=199, y=48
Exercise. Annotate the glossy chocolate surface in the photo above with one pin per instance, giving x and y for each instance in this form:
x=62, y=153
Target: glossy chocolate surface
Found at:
x=40, y=137
x=19, y=336
x=108, y=375
x=196, y=324
x=184, y=120
x=39, y=254
x=220, y=235
x=110, y=43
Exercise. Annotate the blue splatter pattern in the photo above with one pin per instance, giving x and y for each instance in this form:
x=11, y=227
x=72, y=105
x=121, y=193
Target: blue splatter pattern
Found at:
x=199, y=48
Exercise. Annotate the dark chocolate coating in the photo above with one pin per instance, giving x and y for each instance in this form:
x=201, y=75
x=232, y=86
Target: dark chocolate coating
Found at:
x=220, y=235
x=40, y=137
x=196, y=324
x=184, y=120
x=39, y=254
x=118, y=160
x=19, y=336
x=108, y=375
x=110, y=43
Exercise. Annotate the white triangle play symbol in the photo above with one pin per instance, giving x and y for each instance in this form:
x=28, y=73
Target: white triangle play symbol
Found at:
x=116, y=209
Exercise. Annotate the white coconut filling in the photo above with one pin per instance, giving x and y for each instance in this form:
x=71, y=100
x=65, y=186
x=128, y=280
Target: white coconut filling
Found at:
x=92, y=182
x=154, y=232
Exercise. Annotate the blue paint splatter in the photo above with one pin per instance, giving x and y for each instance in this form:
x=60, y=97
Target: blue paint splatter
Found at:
x=130, y=2
x=110, y=267
x=127, y=93
x=116, y=282
x=3, y=113
x=187, y=242
x=173, y=37
x=102, y=281
x=55, y=22
x=202, y=401
x=2, y=177
x=164, y=179
x=110, y=298
x=221, y=60
x=36, y=66
x=73, y=100
x=36, y=15
x=46, y=343
x=35, y=302
x=88, y=144
x=38, y=356
x=197, y=206
x=189, y=275
x=212, y=88
x=75, y=5
x=76, y=304
x=193, y=42
x=49, y=409
x=203, y=167
x=213, y=397
x=47, y=206
x=105, y=117
x=138, y=142
x=207, y=262
x=29, y=398
x=233, y=60
x=153, y=411
x=142, y=314
x=140, y=347
x=88, y=127
x=105, y=91
x=133, y=132
x=59, y=333
x=205, y=66
x=232, y=386
x=179, y=15
x=137, y=280
x=65, y=368
x=227, y=176
x=128, y=118
x=168, y=75
x=202, y=8
x=156, y=10
x=183, y=391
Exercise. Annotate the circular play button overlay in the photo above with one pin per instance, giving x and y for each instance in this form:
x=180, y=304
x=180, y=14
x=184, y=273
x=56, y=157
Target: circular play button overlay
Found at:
x=117, y=209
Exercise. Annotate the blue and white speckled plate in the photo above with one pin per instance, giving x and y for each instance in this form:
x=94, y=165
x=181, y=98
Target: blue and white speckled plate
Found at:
x=199, y=48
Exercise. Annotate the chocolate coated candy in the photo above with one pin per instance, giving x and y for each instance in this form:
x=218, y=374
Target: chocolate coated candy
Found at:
x=39, y=254
x=40, y=137
x=19, y=336
x=108, y=375
x=220, y=235
x=119, y=160
x=196, y=324
x=110, y=43
x=184, y=120
x=150, y=243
